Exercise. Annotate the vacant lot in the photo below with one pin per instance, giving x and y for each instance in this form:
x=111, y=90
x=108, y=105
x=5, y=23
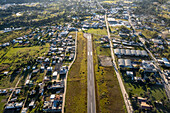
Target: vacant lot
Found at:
x=105, y=61
x=18, y=54
x=76, y=96
x=2, y=102
x=98, y=31
x=109, y=97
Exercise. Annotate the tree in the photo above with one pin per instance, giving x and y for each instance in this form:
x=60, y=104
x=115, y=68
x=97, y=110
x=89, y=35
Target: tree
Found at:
x=136, y=111
x=141, y=71
x=152, y=75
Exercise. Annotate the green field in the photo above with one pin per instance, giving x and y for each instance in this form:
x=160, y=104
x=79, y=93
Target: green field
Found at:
x=18, y=53
x=98, y=31
x=76, y=96
x=2, y=102
x=157, y=91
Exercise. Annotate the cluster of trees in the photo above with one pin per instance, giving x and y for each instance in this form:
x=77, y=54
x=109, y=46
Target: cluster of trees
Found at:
x=34, y=16
x=146, y=7
x=23, y=1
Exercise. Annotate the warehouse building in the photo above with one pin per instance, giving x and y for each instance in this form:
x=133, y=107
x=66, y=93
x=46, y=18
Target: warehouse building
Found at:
x=129, y=52
x=124, y=63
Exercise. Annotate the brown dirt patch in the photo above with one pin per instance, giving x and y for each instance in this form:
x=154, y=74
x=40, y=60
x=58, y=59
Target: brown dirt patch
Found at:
x=105, y=60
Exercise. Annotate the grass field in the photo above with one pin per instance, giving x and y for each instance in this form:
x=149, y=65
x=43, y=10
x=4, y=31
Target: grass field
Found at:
x=2, y=102
x=98, y=31
x=157, y=92
x=20, y=52
x=100, y=50
x=76, y=96
x=109, y=97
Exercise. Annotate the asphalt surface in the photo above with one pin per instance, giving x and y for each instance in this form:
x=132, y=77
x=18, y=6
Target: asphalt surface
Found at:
x=91, y=100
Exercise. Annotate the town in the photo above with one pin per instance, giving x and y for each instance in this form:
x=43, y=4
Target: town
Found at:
x=78, y=56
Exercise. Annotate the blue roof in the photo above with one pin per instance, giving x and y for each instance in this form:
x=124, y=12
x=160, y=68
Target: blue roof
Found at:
x=165, y=59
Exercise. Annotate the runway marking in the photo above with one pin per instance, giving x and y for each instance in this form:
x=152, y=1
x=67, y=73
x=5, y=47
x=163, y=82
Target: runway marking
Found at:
x=90, y=77
x=88, y=53
x=91, y=91
x=91, y=53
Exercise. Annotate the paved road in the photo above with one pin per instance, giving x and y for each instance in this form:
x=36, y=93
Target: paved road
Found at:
x=91, y=100
x=123, y=90
x=14, y=90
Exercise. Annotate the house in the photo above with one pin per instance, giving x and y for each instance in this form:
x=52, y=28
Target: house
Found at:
x=71, y=57
x=34, y=67
x=17, y=91
x=3, y=91
x=148, y=66
x=31, y=104
x=56, y=86
x=129, y=73
x=46, y=79
x=55, y=74
x=24, y=110
x=157, y=41
x=112, y=21
x=53, y=62
x=6, y=73
x=10, y=106
x=13, y=99
x=70, y=37
x=42, y=68
x=140, y=99
x=52, y=96
x=144, y=105
x=49, y=69
x=63, y=70
x=33, y=92
x=18, y=105
x=35, y=71
x=123, y=35
x=64, y=34
x=137, y=79
x=47, y=60
x=27, y=82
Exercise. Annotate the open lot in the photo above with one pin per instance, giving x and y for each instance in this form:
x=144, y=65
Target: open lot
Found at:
x=76, y=96
x=2, y=102
x=98, y=31
x=105, y=61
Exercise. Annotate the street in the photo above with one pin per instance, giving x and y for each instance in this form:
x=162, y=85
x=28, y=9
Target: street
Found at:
x=91, y=99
